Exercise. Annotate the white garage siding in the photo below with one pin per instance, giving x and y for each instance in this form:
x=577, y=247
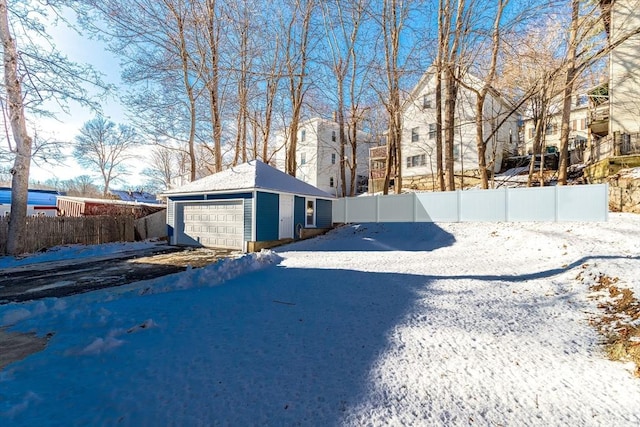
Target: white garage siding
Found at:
x=217, y=224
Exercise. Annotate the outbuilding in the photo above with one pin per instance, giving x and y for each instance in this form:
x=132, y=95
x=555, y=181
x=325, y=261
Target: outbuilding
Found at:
x=247, y=207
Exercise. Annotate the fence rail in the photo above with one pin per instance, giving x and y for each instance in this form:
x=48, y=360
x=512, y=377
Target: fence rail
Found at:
x=45, y=232
x=554, y=204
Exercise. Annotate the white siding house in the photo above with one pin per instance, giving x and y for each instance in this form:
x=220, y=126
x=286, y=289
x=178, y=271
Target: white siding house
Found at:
x=614, y=118
x=318, y=156
x=578, y=129
x=419, y=129
x=624, y=78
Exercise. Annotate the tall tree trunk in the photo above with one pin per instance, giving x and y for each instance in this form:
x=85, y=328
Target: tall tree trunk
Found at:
x=451, y=94
x=392, y=23
x=179, y=17
x=482, y=95
x=568, y=91
x=213, y=80
x=438, y=100
x=297, y=73
x=23, y=142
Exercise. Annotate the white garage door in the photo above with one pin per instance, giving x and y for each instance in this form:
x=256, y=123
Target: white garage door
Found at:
x=217, y=224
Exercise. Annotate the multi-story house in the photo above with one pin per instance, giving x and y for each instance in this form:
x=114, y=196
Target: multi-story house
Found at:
x=419, y=131
x=318, y=156
x=578, y=130
x=614, y=115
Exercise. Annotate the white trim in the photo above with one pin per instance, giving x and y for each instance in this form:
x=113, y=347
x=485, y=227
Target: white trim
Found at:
x=315, y=212
x=253, y=215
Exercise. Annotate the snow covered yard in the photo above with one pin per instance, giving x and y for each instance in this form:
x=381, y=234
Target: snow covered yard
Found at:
x=374, y=324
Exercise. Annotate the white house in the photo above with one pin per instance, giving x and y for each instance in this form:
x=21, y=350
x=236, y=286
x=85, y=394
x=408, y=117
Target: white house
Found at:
x=614, y=118
x=624, y=79
x=419, y=129
x=578, y=128
x=318, y=156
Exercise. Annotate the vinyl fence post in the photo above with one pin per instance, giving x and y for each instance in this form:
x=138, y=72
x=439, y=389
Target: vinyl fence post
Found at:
x=557, y=207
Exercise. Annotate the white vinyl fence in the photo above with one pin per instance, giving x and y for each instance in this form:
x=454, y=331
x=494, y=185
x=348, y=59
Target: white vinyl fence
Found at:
x=558, y=203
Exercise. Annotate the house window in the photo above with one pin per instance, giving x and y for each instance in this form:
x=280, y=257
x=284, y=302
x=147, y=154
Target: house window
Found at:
x=303, y=134
x=414, y=134
x=550, y=129
x=333, y=136
x=531, y=130
x=583, y=124
x=303, y=158
x=333, y=158
x=432, y=130
x=331, y=182
x=574, y=125
x=426, y=101
x=310, y=213
x=414, y=161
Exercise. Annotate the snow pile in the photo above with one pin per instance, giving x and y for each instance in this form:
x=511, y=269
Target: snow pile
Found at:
x=212, y=275
x=633, y=173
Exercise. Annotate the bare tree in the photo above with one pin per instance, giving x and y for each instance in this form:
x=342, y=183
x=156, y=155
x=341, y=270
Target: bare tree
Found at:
x=210, y=47
x=481, y=95
x=342, y=22
x=296, y=60
x=164, y=167
x=81, y=186
x=392, y=21
x=103, y=146
x=47, y=76
x=23, y=141
x=455, y=19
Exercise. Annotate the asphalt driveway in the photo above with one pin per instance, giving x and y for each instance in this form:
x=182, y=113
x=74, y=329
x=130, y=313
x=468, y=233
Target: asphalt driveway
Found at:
x=68, y=277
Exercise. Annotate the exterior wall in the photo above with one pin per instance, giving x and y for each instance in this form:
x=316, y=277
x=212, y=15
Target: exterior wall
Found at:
x=322, y=155
x=623, y=69
x=267, y=213
x=417, y=118
x=267, y=216
x=307, y=150
x=328, y=149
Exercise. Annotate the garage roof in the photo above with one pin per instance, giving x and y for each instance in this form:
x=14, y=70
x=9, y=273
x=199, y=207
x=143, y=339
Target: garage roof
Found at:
x=253, y=175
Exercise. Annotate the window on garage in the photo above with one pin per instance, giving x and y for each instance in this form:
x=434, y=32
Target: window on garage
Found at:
x=310, y=213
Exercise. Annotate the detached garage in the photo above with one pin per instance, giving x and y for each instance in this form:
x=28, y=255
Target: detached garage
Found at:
x=247, y=207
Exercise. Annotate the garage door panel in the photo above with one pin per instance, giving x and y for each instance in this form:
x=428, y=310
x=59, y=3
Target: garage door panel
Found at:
x=214, y=224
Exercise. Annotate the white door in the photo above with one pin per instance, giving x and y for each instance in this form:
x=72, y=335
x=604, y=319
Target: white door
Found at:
x=285, y=230
x=218, y=224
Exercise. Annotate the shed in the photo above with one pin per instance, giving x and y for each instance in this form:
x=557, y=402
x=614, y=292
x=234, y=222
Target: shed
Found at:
x=84, y=206
x=246, y=207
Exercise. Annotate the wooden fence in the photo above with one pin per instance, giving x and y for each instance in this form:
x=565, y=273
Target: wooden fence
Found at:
x=45, y=232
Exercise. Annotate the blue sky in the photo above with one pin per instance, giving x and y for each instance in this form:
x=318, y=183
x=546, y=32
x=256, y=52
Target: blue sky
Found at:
x=81, y=49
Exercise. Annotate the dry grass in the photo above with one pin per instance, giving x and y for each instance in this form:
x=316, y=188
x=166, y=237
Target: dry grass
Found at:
x=619, y=323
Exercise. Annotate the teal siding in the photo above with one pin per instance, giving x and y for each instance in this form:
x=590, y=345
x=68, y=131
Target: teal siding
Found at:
x=267, y=216
x=323, y=213
x=298, y=215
